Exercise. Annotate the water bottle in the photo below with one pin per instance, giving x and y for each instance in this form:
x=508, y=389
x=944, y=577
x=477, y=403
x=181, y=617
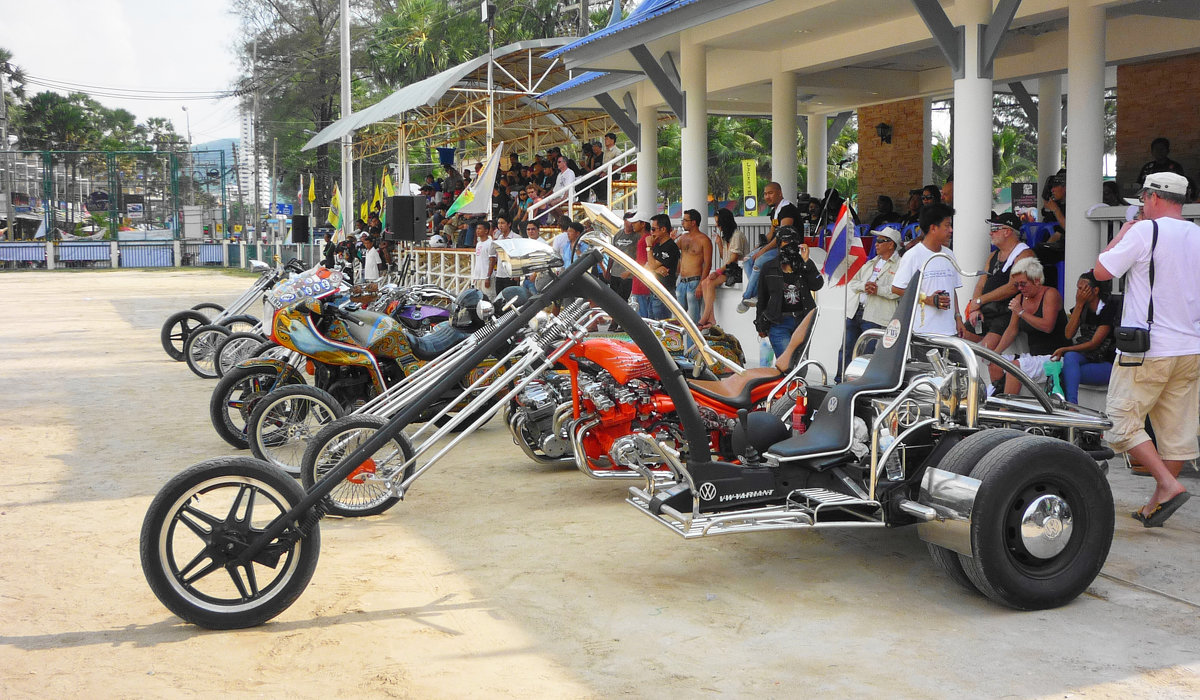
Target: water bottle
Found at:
x=766, y=354
x=807, y=230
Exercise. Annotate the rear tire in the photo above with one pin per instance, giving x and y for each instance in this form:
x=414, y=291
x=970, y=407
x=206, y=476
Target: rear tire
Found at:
x=200, y=350
x=365, y=492
x=176, y=329
x=284, y=422
x=961, y=459
x=1042, y=523
x=237, y=395
x=221, y=504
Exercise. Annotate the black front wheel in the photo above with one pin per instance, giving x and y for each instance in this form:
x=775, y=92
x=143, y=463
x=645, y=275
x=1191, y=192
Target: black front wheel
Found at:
x=177, y=328
x=1041, y=525
x=209, y=306
x=198, y=527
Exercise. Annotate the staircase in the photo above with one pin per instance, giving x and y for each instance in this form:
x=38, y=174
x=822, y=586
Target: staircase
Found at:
x=622, y=194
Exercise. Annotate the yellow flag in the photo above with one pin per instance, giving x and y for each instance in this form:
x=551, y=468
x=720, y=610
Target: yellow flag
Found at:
x=376, y=199
x=389, y=190
x=312, y=190
x=362, y=211
x=335, y=209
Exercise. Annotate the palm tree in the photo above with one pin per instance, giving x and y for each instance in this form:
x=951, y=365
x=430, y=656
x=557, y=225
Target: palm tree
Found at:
x=1009, y=164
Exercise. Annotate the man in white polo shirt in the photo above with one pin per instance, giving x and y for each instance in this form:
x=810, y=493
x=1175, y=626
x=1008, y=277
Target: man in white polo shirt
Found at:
x=1163, y=382
x=938, y=313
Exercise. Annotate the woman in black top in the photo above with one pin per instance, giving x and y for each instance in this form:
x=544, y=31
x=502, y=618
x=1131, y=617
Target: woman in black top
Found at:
x=1091, y=325
x=1037, y=311
x=785, y=290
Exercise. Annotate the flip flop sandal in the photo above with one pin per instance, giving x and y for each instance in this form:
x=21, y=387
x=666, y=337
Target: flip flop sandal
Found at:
x=1166, y=509
x=1141, y=518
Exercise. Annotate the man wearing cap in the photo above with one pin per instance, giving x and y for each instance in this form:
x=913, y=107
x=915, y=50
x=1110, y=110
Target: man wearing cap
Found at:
x=872, y=301
x=1163, y=382
x=988, y=311
x=619, y=277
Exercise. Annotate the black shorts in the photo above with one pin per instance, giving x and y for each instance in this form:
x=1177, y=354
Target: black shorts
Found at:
x=994, y=321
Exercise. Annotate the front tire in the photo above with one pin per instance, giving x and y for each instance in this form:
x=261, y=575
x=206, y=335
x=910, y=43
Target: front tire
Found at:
x=221, y=504
x=177, y=328
x=284, y=422
x=366, y=491
x=200, y=350
x=241, y=324
x=1041, y=525
x=234, y=348
x=238, y=393
x=209, y=306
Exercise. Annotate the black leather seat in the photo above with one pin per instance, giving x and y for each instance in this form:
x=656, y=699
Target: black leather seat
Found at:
x=833, y=422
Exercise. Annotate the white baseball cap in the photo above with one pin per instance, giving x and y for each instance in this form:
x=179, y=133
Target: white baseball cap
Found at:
x=1172, y=183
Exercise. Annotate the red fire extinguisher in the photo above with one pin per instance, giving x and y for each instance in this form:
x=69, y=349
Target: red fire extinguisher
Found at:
x=799, y=411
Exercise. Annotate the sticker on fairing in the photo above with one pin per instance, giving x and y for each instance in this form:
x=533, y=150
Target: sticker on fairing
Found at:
x=892, y=334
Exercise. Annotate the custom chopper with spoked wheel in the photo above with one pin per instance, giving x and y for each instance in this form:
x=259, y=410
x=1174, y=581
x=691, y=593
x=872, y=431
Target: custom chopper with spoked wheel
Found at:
x=233, y=542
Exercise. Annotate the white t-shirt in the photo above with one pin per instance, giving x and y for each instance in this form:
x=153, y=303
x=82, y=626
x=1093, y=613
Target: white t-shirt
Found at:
x=371, y=262
x=1176, y=329
x=484, y=252
x=940, y=275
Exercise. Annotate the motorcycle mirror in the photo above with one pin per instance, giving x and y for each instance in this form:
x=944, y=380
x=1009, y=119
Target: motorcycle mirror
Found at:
x=259, y=266
x=484, y=310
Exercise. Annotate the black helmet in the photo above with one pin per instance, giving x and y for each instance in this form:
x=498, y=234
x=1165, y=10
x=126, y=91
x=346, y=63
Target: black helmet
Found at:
x=471, y=309
x=516, y=294
x=790, y=241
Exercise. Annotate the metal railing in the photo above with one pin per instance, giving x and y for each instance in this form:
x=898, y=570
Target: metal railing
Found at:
x=569, y=195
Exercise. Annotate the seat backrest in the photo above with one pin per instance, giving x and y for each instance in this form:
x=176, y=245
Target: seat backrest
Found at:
x=798, y=343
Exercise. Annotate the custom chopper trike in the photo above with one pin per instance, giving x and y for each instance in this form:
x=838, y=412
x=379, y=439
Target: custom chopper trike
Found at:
x=1025, y=519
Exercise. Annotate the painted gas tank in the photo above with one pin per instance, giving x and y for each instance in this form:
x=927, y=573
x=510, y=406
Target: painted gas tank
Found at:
x=379, y=333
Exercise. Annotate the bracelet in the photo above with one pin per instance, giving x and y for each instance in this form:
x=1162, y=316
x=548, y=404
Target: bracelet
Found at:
x=1020, y=313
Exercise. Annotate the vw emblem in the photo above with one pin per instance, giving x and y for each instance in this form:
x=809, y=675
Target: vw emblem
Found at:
x=831, y=406
x=707, y=491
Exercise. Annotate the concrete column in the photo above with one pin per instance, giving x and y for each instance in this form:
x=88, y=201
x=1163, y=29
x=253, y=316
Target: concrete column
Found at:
x=927, y=140
x=972, y=146
x=783, y=132
x=816, y=147
x=114, y=254
x=177, y=252
x=1085, y=143
x=1049, y=126
x=647, y=157
x=694, y=139
x=49, y=254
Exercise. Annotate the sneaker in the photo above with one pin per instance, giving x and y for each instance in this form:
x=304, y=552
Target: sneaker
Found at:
x=743, y=307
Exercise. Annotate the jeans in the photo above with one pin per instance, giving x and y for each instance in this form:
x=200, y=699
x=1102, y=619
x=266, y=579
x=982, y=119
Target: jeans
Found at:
x=658, y=310
x=643, y=304
x=685, y=293
x=529, y=286
x=780, y=333
x=1077, y=370
x=854, y=328
x=752, y=272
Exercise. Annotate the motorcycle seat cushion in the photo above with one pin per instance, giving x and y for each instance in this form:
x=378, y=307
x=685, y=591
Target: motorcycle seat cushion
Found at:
x=832, y=427
x=443, y=337
x=736, y=390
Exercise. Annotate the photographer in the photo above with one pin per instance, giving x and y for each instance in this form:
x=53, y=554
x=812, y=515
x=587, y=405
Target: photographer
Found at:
x=1157, y=372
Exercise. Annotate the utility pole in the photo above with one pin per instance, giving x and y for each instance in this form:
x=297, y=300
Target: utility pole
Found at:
x=583, y=17
x=8, y=160
x=489, y=16
x=274, y=194
x=254, y=137
x=348, y=139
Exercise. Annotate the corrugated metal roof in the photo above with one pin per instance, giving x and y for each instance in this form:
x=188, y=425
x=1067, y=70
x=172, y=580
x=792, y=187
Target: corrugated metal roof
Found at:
x=426, y=93
x=644, y=13
x=573, y=82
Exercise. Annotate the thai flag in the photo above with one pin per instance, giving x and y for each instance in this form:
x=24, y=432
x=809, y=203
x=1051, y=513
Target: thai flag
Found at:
x=846, y=253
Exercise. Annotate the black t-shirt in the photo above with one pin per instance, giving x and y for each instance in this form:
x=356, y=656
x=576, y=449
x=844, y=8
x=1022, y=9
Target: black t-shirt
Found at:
x=786, y=211
x=1091, y=321
x=627, y=241
x=667, y=253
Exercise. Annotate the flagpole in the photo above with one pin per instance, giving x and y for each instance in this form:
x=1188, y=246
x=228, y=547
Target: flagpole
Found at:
x=347, y=189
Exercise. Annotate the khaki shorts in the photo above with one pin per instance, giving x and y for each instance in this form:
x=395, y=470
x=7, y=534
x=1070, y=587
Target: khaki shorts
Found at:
x=1168, y=390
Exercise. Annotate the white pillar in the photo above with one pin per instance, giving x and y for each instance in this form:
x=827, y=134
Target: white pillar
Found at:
x=927, y=150
x=816, y=149
x=972, y=145
x=783, y=132
x=1085, y=143
x=1049, y=126
x=694, y=139
x=647, y=157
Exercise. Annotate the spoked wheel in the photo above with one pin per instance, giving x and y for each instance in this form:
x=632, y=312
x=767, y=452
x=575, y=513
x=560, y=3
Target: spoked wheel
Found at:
x=199, y=525
x=241, y=324
x=284, y=422
x=177, y=328
x=237, y=394
x=1041, y=524
x=234, y=348
x=208, y=306
x=200, y=350
x=366, y=490
x=961, y=459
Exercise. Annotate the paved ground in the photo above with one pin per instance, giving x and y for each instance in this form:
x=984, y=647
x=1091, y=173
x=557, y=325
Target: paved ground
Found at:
x=497, y=577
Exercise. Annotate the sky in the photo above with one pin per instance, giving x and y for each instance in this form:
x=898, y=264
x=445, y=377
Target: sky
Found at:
x=172, y=45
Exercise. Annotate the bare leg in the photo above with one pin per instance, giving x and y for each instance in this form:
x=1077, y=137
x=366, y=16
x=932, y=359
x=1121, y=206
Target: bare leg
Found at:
x=1164, y=473
x=990, y=341
x=1011, y=384
x=709, y=289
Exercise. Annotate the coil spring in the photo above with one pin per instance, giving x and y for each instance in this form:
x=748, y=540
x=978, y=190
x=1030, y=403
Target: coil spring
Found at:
x=319, y=510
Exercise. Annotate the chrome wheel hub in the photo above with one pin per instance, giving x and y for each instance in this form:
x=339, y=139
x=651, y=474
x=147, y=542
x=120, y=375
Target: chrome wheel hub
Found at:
x=1046, y=526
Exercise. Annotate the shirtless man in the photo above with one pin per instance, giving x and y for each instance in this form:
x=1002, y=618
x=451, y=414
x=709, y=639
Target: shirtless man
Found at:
x=695, y=250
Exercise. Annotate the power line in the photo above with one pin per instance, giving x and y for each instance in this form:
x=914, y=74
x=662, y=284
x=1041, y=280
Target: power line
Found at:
x=129, y=93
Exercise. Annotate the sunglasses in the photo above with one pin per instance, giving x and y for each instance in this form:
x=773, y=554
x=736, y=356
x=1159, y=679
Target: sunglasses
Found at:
x=926, y=198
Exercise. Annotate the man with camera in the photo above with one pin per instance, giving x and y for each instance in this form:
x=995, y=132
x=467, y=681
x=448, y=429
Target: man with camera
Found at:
x=1157, y=372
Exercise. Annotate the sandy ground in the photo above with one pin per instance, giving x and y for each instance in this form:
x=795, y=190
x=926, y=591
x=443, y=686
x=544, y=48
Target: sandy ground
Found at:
x=497, y=577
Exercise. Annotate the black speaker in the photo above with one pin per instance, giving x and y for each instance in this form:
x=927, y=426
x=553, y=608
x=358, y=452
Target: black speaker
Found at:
x=299, y=228
x=405, y=219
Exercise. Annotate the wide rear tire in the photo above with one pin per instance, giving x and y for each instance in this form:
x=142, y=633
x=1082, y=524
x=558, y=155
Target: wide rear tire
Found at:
x=197, y=526
x=1041, y=525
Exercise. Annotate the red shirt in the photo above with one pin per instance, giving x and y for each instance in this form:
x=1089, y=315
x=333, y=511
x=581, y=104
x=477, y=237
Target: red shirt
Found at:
x=642, y=257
